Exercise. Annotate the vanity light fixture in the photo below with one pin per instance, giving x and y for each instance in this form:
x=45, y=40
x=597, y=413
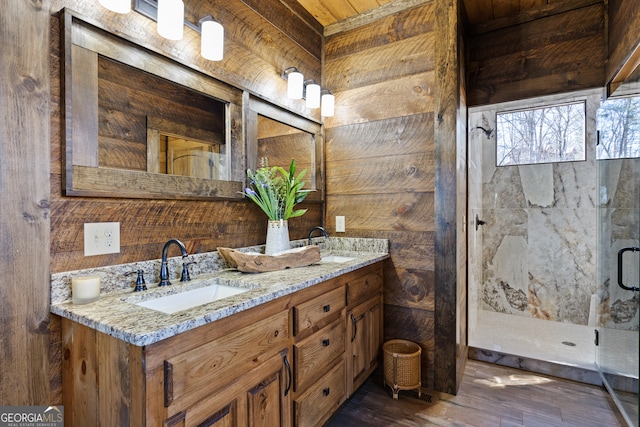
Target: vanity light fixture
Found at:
x=171, y=19
x=295, y=82
x=328, y=104
x=312, y=94
x=169, y=14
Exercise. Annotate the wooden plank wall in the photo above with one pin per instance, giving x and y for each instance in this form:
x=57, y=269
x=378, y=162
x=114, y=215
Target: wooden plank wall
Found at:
x=380, y=160
x=624, y=33
x=24, y=210
x=556, y=54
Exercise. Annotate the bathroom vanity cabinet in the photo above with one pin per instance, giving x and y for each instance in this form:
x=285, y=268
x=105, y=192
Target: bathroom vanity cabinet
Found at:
x=289, y=361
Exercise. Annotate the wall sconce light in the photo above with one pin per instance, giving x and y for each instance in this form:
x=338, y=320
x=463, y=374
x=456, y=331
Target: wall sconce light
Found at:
x=170, y=19
x=169, y=14
x=295, y=82
x=118, y=6
x=211, y=39
x=328, y=104
x=312, y=94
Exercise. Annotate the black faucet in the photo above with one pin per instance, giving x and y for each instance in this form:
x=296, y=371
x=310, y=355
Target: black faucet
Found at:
x=164, y=270
x=322, y=230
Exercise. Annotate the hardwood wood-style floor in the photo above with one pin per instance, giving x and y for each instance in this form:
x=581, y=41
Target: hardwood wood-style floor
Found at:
x=490, y=395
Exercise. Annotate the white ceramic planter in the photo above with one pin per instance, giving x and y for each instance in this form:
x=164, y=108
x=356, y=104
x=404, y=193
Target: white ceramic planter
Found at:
x=277, y=237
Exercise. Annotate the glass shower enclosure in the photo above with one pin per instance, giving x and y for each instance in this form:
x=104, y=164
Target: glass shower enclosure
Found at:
x=618, y=251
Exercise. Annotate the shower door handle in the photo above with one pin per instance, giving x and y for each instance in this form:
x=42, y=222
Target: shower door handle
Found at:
x=622, y=285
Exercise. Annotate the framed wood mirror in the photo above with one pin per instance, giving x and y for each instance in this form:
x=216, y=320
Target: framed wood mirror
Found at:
x=139, y=125
x=279, y=136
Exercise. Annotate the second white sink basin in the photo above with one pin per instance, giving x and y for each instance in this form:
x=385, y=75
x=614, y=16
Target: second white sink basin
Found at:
x=188, y=299
x=337, y=258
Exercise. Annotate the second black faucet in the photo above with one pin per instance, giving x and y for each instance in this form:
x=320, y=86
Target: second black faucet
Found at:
x=321, y=229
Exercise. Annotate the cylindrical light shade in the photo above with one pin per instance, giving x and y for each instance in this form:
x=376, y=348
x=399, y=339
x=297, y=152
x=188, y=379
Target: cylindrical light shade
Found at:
x=212, y=40
x=328, y=104
x=171, y=19
x=294, y=86
x=119, y=6
x=313, y=95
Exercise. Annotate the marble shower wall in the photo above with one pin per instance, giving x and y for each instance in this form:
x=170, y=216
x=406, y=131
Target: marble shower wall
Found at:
x=535, y=256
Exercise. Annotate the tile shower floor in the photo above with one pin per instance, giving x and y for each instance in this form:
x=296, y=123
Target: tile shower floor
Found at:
x=561, y=343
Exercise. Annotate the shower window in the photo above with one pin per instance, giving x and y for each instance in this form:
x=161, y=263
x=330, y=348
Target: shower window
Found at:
x=555, y=133
x=619, y=128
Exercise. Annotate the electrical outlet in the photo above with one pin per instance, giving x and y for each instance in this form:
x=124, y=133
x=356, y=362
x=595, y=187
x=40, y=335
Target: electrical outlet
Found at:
x=101, y=238
x=340, y=224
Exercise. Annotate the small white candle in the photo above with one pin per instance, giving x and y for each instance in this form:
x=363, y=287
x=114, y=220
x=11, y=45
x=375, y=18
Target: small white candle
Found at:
x=85, y=289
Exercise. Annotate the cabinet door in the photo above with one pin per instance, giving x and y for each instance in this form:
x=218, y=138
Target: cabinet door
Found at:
x=364, y=342
x=268, y=400
x=261, y=397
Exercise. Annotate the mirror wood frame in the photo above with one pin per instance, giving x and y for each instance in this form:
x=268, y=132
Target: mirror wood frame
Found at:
x=82, y=43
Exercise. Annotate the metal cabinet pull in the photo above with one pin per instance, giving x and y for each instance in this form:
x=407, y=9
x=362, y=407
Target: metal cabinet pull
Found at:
x=289, y=379
x=620, y=254
x=325, y=343
x=326, y=391
x=168, y=383
x=355, y=327
x=327, y=308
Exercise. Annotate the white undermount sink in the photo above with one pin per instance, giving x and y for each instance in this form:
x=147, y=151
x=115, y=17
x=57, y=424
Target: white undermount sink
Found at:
x=336, y=258
x=188, y=299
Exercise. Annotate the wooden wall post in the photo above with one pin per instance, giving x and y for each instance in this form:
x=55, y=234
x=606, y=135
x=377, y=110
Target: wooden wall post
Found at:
x=24, y=210
x=446, y=206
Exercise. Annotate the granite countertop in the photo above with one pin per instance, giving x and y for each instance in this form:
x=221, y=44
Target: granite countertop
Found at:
x=117, y=314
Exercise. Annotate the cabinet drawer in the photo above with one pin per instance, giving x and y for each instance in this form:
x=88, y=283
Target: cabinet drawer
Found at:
x=313, y=314
x=197, y=373
x=364, y=287
x=314, y=354
x=319, y=402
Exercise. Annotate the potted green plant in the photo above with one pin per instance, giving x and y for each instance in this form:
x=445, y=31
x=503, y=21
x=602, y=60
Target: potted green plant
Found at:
x=277, y=191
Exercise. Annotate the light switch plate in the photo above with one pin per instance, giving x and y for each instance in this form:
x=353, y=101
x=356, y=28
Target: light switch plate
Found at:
x=340, y=224
x=101, y=238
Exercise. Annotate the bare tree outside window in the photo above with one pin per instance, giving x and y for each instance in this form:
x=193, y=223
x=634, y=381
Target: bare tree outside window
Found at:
x=619, y=128
x=542, y=135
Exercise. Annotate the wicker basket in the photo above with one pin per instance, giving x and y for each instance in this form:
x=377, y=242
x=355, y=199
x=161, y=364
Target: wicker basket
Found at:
x=402, y=366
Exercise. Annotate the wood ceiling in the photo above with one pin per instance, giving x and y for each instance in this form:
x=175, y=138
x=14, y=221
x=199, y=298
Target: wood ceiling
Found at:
x=329, y=12
x=482, y=15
